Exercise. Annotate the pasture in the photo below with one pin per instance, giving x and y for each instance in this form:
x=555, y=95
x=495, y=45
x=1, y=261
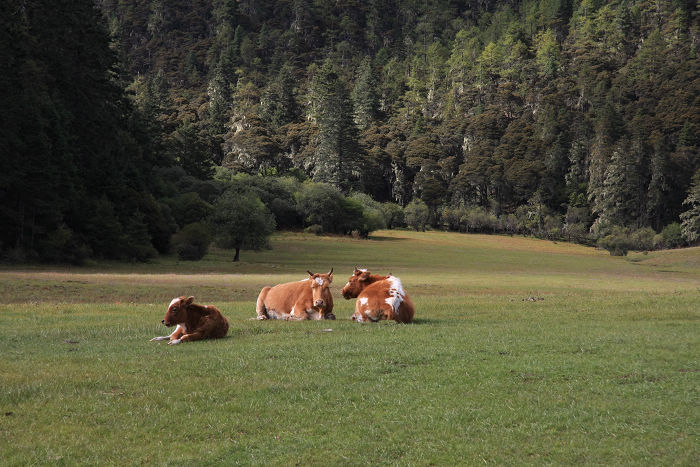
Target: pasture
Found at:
x=522, y=351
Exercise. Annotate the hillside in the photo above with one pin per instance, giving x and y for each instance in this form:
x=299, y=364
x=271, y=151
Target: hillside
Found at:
x=582, y=113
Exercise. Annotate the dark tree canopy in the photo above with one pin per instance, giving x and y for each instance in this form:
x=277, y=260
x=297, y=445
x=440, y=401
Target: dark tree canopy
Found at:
x=586, y=110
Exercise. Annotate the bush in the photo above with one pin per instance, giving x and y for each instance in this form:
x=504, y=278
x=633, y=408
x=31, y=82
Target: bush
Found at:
x=416, y=214
x=672, y=235
x=189, y=208
x=393, y=215
x=192, y=242
x=325, y=205
x=617, y=242
x=576, y=232
x=314, y=229
x=643, y=239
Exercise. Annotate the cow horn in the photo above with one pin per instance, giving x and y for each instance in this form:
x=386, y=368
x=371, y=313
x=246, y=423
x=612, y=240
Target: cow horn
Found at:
x=310, y=273
x=331, y=272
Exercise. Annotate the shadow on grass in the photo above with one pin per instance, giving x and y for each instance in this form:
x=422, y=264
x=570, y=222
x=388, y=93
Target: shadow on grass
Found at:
x=422, y=321
x=380, y=238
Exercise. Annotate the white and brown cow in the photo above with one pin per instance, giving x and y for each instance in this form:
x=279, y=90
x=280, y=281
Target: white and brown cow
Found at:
x=309, y=298
x=194, y=322
x=378, y=297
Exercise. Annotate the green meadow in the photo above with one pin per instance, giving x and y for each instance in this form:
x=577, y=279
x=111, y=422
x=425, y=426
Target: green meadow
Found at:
x=523, y=351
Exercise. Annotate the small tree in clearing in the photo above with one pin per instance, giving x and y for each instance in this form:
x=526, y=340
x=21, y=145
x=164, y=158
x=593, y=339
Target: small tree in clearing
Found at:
x=241, y=221
x=416, y=214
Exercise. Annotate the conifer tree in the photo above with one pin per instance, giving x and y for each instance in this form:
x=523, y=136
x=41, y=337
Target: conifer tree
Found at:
x=364, y=95
x=337, y=154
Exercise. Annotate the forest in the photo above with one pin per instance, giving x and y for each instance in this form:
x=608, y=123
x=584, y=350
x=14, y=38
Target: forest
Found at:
x=132, y=128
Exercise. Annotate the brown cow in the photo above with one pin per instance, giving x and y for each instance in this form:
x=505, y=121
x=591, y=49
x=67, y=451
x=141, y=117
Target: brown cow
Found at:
x=309, y=298
x=378, y=297
x=194, y=322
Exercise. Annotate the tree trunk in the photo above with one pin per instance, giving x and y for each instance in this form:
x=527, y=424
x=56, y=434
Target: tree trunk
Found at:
x=238, y=254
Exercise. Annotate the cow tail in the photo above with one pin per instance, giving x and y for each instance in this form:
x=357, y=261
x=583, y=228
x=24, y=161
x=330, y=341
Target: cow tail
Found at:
x=260, y=305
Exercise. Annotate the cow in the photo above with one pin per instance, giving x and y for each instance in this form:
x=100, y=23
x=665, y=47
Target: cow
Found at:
x=194, y=322
x=378, y=297
x=309, y=298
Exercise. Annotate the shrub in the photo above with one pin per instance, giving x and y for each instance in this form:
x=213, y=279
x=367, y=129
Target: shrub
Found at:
x=393, y=215
x=192, y=242
x=416, y=214
x=643, y=239
x=672, y=235
x=617, y=242
x=189, y=208
x=314, y=229
x=325, y=205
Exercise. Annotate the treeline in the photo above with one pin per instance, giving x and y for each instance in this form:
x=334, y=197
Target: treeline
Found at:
x=561, y=118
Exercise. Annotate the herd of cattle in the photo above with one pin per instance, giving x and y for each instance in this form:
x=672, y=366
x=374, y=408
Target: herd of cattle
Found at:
x=378, y=297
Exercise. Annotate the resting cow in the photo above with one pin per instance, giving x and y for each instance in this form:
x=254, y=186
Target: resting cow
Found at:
x=309, y=298
x=378, y=297
x=194, y=322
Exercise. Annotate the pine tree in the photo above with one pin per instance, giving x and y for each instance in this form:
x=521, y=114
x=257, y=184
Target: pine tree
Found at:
x=364, y=95
x=337, y=154
x=690, y=226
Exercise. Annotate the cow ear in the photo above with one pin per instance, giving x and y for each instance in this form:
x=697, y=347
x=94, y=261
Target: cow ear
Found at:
x=189, y=301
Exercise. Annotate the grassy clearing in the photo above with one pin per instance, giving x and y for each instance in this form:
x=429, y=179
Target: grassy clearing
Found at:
x=602, y=367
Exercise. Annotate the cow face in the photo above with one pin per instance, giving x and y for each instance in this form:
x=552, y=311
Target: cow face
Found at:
x=319, y=287
x=177, y=310
x=356, y=283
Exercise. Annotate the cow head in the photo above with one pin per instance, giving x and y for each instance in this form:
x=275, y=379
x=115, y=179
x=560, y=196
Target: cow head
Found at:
x=319, y=287
x=177, y=311
x=356, y=283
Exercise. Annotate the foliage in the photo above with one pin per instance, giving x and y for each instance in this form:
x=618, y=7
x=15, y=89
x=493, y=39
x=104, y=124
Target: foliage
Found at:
x=241, y=221
x=672, y=235
x=690, y=227
x=557, y=108
x=416, y=214
x=192, y=242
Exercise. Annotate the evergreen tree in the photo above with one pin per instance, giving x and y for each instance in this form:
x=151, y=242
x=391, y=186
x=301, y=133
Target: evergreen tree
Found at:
x=690, y=226
x=364, y=95
x=337, y=151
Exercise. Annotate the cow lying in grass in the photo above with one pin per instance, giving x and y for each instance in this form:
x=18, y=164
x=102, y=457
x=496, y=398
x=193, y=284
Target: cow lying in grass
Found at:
x=378, y=297
x=194, y=322
x=309, y=298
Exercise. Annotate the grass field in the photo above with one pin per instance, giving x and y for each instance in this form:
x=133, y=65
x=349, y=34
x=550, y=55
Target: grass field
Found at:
x=523, y=352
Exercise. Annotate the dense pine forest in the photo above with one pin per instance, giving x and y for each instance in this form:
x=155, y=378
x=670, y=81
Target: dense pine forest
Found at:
x=136, y=127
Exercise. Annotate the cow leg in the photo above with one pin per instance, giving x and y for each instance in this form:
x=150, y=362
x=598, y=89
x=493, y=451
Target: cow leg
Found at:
x=298, y=313
x=193, y=336
x=260, y=304
x=168, y=337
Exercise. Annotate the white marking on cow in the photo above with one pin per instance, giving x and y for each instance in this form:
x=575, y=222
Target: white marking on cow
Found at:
x=319, y=281
x=347, y=285
x=175, y=300
x=292, y=312
x=304, y=280
x=364, y=300
x=396, y=292
x=362, y=270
